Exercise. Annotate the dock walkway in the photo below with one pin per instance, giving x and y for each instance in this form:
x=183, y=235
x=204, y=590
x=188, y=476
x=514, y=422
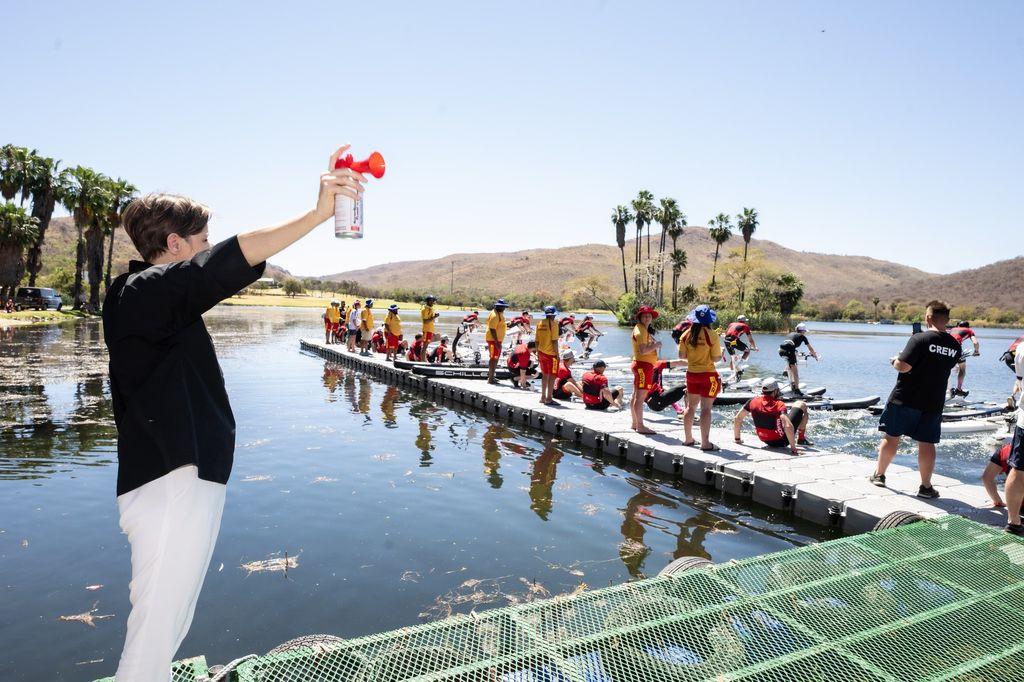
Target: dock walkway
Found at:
x=827, y=488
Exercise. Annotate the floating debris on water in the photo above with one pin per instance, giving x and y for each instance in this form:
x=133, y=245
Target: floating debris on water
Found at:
x=255, y=443
x=411, y=576
x=258, y=477
x=273, y=563
x=383, y=457
x=324, y=479
x=88, y=618
x=590, y=509
x=93, y=588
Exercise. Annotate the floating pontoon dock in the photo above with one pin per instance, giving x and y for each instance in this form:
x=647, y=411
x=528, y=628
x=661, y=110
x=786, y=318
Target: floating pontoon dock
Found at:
x=827, y=488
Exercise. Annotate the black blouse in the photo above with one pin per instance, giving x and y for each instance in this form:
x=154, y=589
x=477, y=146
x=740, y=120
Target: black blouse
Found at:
x=170, y=404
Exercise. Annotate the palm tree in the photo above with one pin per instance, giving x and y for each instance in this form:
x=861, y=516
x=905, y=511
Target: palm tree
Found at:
x=747, y=222
x=122, y=193
x=44, y=187
x=84, y=195
x=875, y=301
x=643, y=205
x=17, y=230
x=720, y=229
x=678, y=263
x=14, y=163
x=620, y=218
x=667, y=216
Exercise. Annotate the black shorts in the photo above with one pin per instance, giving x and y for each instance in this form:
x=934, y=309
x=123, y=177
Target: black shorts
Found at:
x=1008, y=357
x=561, y=395
x=733, y=344
x=901, y=420
x=1016, y=459
x=787, y=349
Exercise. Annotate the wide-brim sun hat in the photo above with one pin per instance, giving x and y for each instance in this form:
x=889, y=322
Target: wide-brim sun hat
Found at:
x=393, y=308
x=369, y=301
x=647, y=309
x=500, y=303
x=703, y=314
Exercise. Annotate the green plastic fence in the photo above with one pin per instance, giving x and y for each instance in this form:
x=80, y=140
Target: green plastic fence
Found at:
x=941, y=600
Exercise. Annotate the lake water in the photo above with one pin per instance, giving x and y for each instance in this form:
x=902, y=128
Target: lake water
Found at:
x=397, y=510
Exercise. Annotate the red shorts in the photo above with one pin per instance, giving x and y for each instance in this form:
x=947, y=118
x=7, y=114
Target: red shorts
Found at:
x=493, y=349
x=427, y=337
x=643, y=376
x=391, y=340
x=548, y=363
x=330, y=326
x=704, y=384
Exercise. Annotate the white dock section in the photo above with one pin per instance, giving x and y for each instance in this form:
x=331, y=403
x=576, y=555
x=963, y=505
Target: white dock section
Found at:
x=827, y=488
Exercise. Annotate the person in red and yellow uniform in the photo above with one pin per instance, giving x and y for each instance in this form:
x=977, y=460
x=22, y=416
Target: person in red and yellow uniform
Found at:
x=700, y=346
x=495, y=335
x=392, y=332
x=546, y=337
x=645, y=354
x=427, y=315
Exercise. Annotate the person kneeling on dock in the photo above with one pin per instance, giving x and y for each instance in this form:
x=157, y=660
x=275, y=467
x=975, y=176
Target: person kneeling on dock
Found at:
x=596, y=393
x=773, y=424
x=565, y=385
x=659, y=397
x=519, y=361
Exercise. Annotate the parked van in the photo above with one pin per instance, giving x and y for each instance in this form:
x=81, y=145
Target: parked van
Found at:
x=38, y=298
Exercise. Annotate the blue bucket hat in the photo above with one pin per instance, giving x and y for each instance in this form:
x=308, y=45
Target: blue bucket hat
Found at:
x=550, y=311
x=393, y=308
x=702, y=314
x=369, y=301
x=500, y=303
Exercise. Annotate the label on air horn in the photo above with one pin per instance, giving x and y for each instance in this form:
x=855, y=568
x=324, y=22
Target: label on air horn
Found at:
x=348, y=218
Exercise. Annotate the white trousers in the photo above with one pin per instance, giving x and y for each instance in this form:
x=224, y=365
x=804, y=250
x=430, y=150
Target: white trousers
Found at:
x=172, y=525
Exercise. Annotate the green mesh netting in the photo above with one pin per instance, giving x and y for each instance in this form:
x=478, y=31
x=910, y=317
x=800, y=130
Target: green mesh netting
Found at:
x=929, y=601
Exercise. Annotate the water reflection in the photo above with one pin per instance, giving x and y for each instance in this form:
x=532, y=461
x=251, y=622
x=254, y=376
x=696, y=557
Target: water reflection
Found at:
x=492, y=453
x=54, y=400
x=332, y=375
x=387, y=406
x=542, y=480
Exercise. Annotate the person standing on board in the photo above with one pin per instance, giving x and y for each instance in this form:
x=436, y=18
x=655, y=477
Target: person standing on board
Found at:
x=645, y=354
x=495, y=335
x=961, y=332
x=787, y=349
x=175, y=428
x=1014, y=487
x=915, y=405
x=546, y=337
x=427, y=315
x=734, y=344
x=700, y=346
x=586, y=333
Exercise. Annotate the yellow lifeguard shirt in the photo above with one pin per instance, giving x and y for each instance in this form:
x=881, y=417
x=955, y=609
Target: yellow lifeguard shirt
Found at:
x=333, y=314
x=393, y=324
x=366, y=319
x=702, y=357
x=642, y=336
x=546, y=336
x=496, y=321
x=427, y=315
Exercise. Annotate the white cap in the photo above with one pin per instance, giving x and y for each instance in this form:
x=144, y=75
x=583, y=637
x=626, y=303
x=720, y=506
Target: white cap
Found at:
x=769, y=386
x=568, y=355
x=801, y=327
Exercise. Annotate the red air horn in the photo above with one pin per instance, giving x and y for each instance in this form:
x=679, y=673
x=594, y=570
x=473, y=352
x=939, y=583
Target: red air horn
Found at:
x=374, y=165
x=348, y=213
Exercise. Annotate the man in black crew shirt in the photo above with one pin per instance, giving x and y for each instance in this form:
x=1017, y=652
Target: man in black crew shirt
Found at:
x=915, y=405
x=176, y=432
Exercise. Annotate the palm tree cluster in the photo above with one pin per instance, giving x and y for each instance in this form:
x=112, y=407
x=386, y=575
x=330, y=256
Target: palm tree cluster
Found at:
x=649, y=270
x=94, y=200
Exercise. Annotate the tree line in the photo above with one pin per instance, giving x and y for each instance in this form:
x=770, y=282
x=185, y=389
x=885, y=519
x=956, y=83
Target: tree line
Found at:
x=94, y=200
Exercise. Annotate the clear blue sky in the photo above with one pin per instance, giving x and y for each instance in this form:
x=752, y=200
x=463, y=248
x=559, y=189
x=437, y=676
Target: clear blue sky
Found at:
x=886, y=129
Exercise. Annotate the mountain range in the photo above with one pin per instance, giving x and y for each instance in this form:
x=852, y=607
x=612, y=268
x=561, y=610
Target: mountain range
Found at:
x=826, y=277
